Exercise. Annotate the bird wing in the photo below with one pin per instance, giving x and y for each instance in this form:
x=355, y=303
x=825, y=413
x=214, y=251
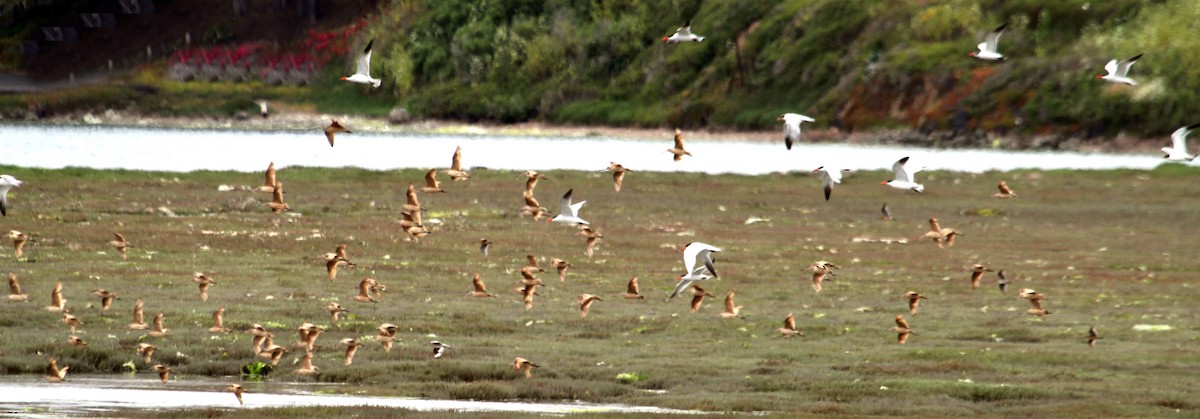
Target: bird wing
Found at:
x=682, y=285
x=993, y=38
x=631, y=288
x=431, y=178
x=685, y=30
x=729, y=302
x=901, y=322
x=364, y=61
x=1179, y=137
x=119, y=237
x=618, y=177
x=277, y=193
x=1123, y=66
x=270, y=181
x=790, y=322
x=679, y=140
x=1111, y=67
x=456, y=161
x=900, y=171
x=478, y=282
x=564, y=205
x=1036, y=303
x=701, y=251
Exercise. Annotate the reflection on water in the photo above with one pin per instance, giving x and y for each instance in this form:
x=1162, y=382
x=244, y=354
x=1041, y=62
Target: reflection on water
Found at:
x=187, y=150
x=29, y=396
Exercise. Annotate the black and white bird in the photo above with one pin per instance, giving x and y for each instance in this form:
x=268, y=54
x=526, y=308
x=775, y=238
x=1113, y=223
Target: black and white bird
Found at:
x=791, y=127
x=829, y=177
x=1176, y=152
x=904, y=177
x=7, y=182
x=1003, y=281
x=568, y=212
x=683, y=34
x=439, y=348
x=484, y=245
x=362, y=73
x=1118, y=71
x=987, y=50
x=699, y=252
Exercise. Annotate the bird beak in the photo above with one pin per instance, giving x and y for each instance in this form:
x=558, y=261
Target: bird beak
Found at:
x=816, y=170
x=343, y=78
x=883, y=183
x=665, y=38
x=549, y=220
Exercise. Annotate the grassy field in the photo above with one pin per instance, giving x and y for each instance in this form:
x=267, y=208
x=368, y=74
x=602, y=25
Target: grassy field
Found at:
x=1111, y=249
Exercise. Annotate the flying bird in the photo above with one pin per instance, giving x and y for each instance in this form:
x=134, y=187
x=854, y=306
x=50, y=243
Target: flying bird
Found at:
x=789, y=327
x=139, y=317
x=480, y=289
x=484, y=245
x=698, y=274
x=678, y=150
x=698, y=295
x=203, y=283
x=618, y=174
x=731, y=311
x=218, y=320
x=561, y=266
x=7, y=182
x=683, y=34
x=121, y=245
x=531, y=181
x=71, y=321
x=306, y=365
x=277, y=205
x=914, y=300
x=592, y=236
x=902, y=330
x=351, y=345
x=146, y=350
x=791, y=127
x=237, y=391
x=57, y=302
x=364, y=291
x=439, y=348
x=362, y=73
x=522, y=364
x=1003, y=283
x=1005, y=192
x=334, y=310
x=829, y=177
x=14, y=289
x=76, y=341
x=585, y=302
x=332, y=129
x=886, y=214
x=1178, y=149
x=568, y=212
x=904, y=177
x=455, y=171
x=1118, y=71
x=431, y=183
x=262, y=108
x=164, y=373
x=159, y=330
x=977, y=275
x=1093, y=336
x=19, y=240
x=987, y=50
x=631, y=290
x=106, y=297
x=54, y=374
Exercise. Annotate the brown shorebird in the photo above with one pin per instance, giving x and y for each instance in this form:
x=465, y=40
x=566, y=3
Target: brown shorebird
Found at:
x=364, y=291
x=218, y=319
x=431, y=183
x=164, y=373
x=914, y=300
x=1005, y=192
x=480, y=289
x=561, y=266
x=139, y=317
x=533, y=208
x=585, y=302
x=351, y=345
x=439, y=348
x=527, y=294
x=203, y=282
x=902, y=330
x=14, y=289
x=731, y=311
x=237, y=390
x=411, y=224
x=277, y=205
x=698, y=295
x=618, y=174
x=789, y=327
x=272, y=351
x=54, y=374
x=121, y=245
x=76, y=341
x=592, y=236
x=334, y=128
x=531, y=181
x=72, y=321
x=456, y=171
x=386, y=335
x=1093, y=336
x=820, y=270
x=269, y=183
x=57, y=302
x=522, y=364
x=533, y=263
x=528, y=275
x=376, y=289
x=678, y=150
x=335, y=259
x=631, y=290
x=159, y=330
x=886, y=214
x=940, y=235
x=412, y=202
x=106, y=297
x=146, y=350
x=19, y=240
x=308, y=335
x=484, y=246
x=335, y=309
x=306, y=366
x=977, y=274
x=260, y=336
x=1035, y=300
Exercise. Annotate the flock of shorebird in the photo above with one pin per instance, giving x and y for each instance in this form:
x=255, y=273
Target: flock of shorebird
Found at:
x=699, y=264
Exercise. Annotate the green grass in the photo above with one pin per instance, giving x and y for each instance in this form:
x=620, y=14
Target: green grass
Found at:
x=1106, y=247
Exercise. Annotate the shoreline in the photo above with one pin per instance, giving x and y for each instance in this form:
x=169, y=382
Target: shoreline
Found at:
x=300, y=121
